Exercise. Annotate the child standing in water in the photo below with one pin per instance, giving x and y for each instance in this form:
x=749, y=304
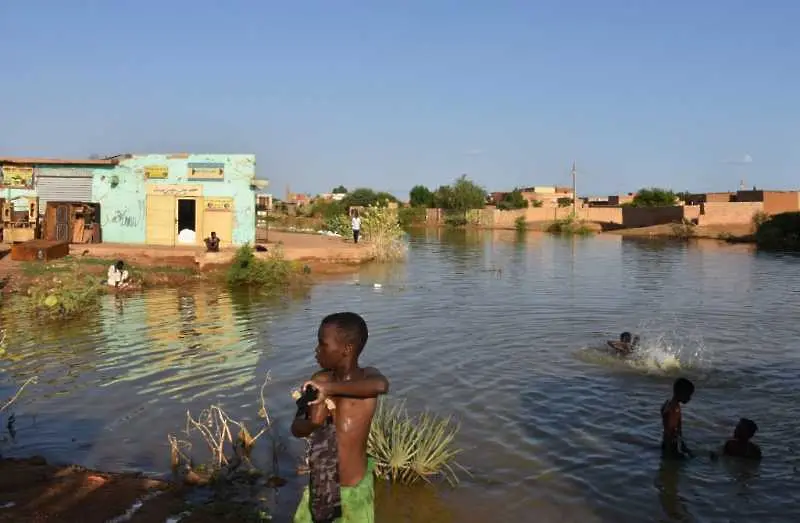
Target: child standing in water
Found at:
x=672, y=444
x=343, y=409
x=741, y=446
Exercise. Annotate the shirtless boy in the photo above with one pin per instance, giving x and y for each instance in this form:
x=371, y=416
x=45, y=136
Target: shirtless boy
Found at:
x=353, y=391
x=741, y=446
x=625, y=345
x=672, y=444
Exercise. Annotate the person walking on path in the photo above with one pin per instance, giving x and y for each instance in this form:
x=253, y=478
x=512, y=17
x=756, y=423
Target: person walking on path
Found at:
x=356, y=226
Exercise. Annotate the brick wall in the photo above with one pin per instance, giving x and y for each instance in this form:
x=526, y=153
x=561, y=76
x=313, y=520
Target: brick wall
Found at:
x=776, y=202
x=720, y=213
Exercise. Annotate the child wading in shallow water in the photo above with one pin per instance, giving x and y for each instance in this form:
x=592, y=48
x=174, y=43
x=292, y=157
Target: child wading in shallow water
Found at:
x=741, y=446
x=341, y=483
x=672, y=444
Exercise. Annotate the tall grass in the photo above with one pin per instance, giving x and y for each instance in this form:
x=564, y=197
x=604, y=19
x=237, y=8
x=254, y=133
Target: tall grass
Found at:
x=570, y=226
x=272, y=272
x=408, y=449
x=383, y=233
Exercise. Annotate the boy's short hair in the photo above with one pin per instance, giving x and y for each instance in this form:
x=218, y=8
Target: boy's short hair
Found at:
x=352, y=328
x=683, y=386
x=749, y=426
x=625, y=337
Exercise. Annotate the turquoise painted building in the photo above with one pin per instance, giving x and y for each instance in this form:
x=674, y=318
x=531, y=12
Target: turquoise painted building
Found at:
x=151, y=199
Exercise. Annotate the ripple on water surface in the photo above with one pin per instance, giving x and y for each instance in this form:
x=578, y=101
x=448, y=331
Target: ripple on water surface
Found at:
x=499, y=331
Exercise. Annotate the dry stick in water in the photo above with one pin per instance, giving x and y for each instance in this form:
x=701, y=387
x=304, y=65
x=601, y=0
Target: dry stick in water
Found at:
x=214, y=424
x=19, y=391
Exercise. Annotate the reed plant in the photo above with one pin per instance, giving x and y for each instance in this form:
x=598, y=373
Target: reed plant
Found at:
x=408, y=449
x=383, y=233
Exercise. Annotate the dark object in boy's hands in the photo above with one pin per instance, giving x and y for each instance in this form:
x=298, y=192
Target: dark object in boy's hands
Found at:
x=309, y=395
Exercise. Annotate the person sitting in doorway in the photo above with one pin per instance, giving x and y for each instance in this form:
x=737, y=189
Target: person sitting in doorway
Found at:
x=212, y=243
x=118, y=276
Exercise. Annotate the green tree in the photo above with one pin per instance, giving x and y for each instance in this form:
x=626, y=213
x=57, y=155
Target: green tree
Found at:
x=420, y=196
x=443, y=197
x=564, y=202
x=463, y=195
x=654, y=197
x=364, y=197
x=340, y=190
x=513, y=200
x=383, y=197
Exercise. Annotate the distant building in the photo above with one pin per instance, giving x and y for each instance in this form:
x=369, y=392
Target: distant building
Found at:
x=141, y=199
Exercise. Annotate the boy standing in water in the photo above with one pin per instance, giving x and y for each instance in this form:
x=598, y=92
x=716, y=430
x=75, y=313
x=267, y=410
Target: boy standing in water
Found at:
x=741, y=446
x=347, y=398
x=672, y=444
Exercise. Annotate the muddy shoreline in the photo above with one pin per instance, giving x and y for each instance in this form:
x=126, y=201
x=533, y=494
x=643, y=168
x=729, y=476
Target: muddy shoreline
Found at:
x=320, y=256
x=33, y=490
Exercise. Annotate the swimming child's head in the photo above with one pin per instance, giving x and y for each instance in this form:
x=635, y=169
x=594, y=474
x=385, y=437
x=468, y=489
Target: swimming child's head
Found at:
x=683, y=390
x=745, y=429
x=342, y=337
x=625, y=337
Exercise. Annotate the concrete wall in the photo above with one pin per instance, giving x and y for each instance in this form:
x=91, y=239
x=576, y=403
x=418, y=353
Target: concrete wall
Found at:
x=122, y=191
x=730, y=213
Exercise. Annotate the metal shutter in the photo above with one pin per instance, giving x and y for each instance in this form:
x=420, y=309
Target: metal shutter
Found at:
x=62, y=189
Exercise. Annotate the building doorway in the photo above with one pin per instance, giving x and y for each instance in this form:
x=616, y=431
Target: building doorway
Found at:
x=187, y=221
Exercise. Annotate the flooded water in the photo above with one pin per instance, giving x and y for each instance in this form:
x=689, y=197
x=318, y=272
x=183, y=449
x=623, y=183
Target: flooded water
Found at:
x=499, y=331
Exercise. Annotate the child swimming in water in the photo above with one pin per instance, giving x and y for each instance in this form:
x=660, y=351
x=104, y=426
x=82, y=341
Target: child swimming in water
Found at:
x=741, y=446
x=625, y=345
x=672, y=444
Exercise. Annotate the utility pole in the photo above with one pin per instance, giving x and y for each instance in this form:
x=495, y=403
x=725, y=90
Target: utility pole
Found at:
x=574, y=191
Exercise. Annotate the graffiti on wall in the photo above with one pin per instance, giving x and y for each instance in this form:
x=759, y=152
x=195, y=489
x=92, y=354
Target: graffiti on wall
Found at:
x=124, y=218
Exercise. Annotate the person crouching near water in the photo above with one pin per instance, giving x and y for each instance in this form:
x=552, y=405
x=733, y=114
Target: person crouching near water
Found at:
x=741, y=446
x=625, y=345
x=341, y=483
x=118, y=276
x=672, y=444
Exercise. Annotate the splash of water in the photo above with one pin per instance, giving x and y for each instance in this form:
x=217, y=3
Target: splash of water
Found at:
x=668, y=350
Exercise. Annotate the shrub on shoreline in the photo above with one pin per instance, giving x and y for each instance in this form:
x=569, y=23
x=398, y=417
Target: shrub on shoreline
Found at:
x=683, y=230
x=570, y=226
x=271, y=272
x=520, y=225
x=63, y=293
x=780, y=232
x=412, y=216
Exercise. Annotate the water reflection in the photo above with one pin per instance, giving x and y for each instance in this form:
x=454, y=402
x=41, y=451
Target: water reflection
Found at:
x=489, y=326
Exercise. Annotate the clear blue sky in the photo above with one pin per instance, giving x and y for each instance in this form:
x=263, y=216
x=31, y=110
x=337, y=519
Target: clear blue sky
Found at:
x=684, y=94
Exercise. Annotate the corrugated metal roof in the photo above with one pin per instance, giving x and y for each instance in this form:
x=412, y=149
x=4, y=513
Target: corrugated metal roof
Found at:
x=57, y=161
